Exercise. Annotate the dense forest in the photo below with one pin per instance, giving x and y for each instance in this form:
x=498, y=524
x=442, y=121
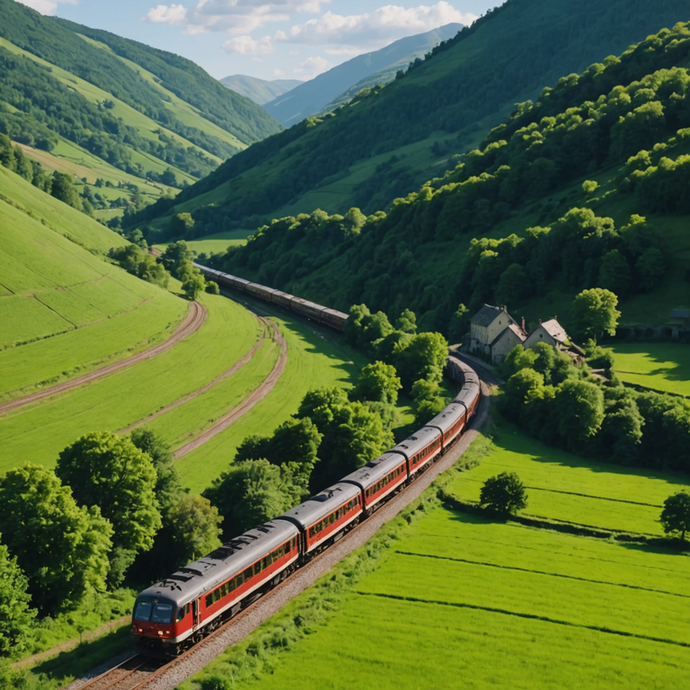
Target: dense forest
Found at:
x=463, y=87
x=36, y=107
x=417, y=257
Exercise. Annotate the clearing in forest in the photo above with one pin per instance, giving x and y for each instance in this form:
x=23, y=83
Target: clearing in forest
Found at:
x=664, y=367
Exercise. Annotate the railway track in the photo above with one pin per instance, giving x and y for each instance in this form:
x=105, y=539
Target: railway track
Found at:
x=131, y=674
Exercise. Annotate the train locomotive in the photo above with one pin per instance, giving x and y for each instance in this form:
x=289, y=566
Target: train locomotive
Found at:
x=180, y=610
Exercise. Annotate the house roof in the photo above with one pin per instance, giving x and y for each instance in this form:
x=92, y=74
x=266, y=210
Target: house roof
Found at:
x=555, y=330
x=519, y=333
x=680, y=314
x=486, y=315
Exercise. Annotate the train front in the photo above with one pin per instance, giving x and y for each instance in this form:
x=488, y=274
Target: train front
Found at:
x=159, y=623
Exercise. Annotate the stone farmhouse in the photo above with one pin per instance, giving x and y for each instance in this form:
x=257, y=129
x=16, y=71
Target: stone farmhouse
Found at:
x=494, y=333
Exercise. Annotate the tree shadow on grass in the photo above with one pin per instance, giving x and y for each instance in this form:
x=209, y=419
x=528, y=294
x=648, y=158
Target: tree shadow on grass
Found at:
x=86, y=656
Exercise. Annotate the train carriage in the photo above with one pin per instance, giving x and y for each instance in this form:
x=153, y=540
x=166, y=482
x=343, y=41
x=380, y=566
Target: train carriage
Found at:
x=334, y=319
x=450, y=422
x=379, y=478
x=261, y=291
x=420, y=449
x=282, y=299
x=326, y=515
x=306, y=308
x=175, y=610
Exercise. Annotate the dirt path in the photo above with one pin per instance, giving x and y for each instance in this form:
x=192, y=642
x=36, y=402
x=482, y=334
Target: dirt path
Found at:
x=181, y=401
x=248, y=403
x=196, y=316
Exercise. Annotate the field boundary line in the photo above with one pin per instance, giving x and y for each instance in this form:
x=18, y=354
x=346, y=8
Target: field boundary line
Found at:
x=200, y=391
x=541, y=572
x=195, y=319
x=253, y=399
x=528, y=616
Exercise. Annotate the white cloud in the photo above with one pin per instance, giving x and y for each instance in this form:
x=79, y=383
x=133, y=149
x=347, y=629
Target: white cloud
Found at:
x=374, y=29
x=312, y=67
x=46, y=6
x=278, y=73
x=246, y=45
x=239, y=17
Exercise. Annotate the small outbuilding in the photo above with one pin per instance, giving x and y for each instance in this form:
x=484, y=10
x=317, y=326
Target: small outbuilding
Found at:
x=679, y=322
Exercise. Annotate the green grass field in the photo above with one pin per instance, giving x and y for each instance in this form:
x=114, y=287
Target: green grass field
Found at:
x=122, y=399
x=459, y=602
x=213, y=244
x=316, y=358
x=661, y=366
x=564, y=487
x=63, y=309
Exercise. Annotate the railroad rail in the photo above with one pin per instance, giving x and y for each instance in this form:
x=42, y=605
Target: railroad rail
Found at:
x=131, y=674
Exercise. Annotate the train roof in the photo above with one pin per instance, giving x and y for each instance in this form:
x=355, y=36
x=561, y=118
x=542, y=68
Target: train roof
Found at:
x=420, y=439
x=307, y=303
x=283, y=294
x=374, y=470
x=226, y=561
x=261, y=288
x=335, y=312
x=317, y=507
x=448, y=416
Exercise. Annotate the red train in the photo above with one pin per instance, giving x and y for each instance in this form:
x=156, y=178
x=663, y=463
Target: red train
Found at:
x=178, y=611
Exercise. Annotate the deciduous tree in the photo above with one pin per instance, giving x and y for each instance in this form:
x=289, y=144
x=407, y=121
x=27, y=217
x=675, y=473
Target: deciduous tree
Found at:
x=675, y=517
x=62, y=548
x=15, y=612
x=503, y=494
x=595, y=313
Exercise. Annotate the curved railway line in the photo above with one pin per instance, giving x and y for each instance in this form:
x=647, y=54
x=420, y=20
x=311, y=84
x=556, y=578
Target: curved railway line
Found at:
x=168, y=676
x=195, y=319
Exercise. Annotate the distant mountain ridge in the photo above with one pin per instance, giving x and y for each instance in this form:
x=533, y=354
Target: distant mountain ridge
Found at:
x=388, y=144
x=91, y=99
x=378, y=67
x=258, y=90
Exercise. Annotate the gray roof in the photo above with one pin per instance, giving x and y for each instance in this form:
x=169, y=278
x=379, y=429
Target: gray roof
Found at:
x=680, y=314
x=450, y=415
x=486, y=315
x=555, y=330
x=420, y=439
x=220, y=565
x=374, y=470
x=316, y=508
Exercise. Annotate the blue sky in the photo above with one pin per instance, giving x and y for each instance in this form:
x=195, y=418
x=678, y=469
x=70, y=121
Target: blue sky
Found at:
x=270, y=39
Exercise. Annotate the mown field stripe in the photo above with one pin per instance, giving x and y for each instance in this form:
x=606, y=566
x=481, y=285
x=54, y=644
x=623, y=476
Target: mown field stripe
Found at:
x=247, y=404
x=575, y=493
x=528, y=616
x=195, y=319
x=540, y=572
x=200, y=391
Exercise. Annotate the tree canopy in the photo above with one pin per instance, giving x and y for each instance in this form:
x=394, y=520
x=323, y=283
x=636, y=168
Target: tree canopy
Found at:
x=503, y=494
x=675, y=517
x=62, y=548
x=595, y=313
x=16, y=615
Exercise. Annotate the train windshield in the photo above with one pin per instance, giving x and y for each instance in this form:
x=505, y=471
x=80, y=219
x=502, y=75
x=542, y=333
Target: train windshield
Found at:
x=142, y=612
x=162, y=613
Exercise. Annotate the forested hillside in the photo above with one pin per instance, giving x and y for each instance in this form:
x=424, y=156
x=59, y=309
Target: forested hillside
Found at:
x=341, y=83
x=384, y=145
x=77, y=96
x=587, y=187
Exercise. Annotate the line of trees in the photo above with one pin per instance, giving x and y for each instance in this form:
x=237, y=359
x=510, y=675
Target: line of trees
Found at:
x=113, y=508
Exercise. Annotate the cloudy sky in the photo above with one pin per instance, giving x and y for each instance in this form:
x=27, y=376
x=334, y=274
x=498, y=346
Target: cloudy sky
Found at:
x=291, y=39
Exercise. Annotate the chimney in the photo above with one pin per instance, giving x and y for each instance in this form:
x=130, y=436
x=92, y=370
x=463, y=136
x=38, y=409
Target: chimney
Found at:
x=540, y=322
x=524, y=330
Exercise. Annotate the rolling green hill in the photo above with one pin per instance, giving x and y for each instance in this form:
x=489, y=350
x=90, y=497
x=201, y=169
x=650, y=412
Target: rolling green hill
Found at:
x=383, y=146
x=515, y=222
x=63, y=309
x=146, y=115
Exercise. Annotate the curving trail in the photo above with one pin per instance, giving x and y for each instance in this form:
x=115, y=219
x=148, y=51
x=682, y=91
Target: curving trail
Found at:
x=195, y=319
x=248, y=403
x=181, y=401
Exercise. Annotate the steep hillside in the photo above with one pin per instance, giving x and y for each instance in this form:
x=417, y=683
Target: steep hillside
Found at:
x=63, y=308
x=587, y=187
x=381, y=147
x=370, y=69
x=148, y=114
x=259, y=90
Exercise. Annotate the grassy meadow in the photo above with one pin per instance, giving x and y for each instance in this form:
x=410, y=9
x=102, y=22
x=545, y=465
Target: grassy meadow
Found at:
x=316, y=358
x=116, y=401
x=217, y=243
x=664, y=367
x=440, y=599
